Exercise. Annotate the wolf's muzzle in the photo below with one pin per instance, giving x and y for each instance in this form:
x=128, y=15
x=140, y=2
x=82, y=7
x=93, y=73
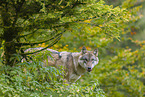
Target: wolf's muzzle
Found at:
x=89, y=69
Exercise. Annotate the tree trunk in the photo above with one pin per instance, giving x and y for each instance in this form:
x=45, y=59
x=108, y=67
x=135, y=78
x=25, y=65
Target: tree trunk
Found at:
x=9, y=46
x=10, y=36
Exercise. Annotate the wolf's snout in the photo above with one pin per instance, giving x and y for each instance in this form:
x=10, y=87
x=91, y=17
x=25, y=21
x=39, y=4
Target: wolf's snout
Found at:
x=89, y=69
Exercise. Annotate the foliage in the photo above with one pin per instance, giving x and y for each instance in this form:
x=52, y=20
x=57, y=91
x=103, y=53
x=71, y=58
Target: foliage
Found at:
x=30, y=23
x=33, y=79
x=121, y=68
x=90, y=23
x=109, y=23
x=123, y=74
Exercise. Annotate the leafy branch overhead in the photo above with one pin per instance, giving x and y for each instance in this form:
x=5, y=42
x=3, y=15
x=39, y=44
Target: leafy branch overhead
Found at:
x=27, y=23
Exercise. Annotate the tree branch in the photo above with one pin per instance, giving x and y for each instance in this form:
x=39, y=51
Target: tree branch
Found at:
x=56, y=40
x=71, y=7
x=29, y=33
x=20, y=44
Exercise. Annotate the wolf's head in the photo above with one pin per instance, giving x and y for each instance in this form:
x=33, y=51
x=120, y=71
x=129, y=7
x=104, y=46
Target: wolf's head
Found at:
x=88, y=59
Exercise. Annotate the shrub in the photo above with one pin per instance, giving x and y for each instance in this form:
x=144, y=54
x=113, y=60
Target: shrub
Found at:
x=33, y=79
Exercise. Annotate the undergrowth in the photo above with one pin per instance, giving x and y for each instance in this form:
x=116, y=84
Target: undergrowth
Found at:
x=35, y=80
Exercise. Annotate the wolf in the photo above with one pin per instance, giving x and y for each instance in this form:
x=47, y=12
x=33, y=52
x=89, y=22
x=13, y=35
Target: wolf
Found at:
x=74, y=64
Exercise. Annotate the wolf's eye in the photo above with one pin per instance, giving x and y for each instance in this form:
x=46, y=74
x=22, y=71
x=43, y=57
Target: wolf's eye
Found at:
x=93, y=59
x=85, y=60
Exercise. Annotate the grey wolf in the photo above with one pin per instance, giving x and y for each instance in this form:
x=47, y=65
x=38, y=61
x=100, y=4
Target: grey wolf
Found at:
x=74, y=64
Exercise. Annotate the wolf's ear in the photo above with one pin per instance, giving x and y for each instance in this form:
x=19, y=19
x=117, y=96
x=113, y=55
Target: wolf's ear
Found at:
x=84, y=50
x=95, y=52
